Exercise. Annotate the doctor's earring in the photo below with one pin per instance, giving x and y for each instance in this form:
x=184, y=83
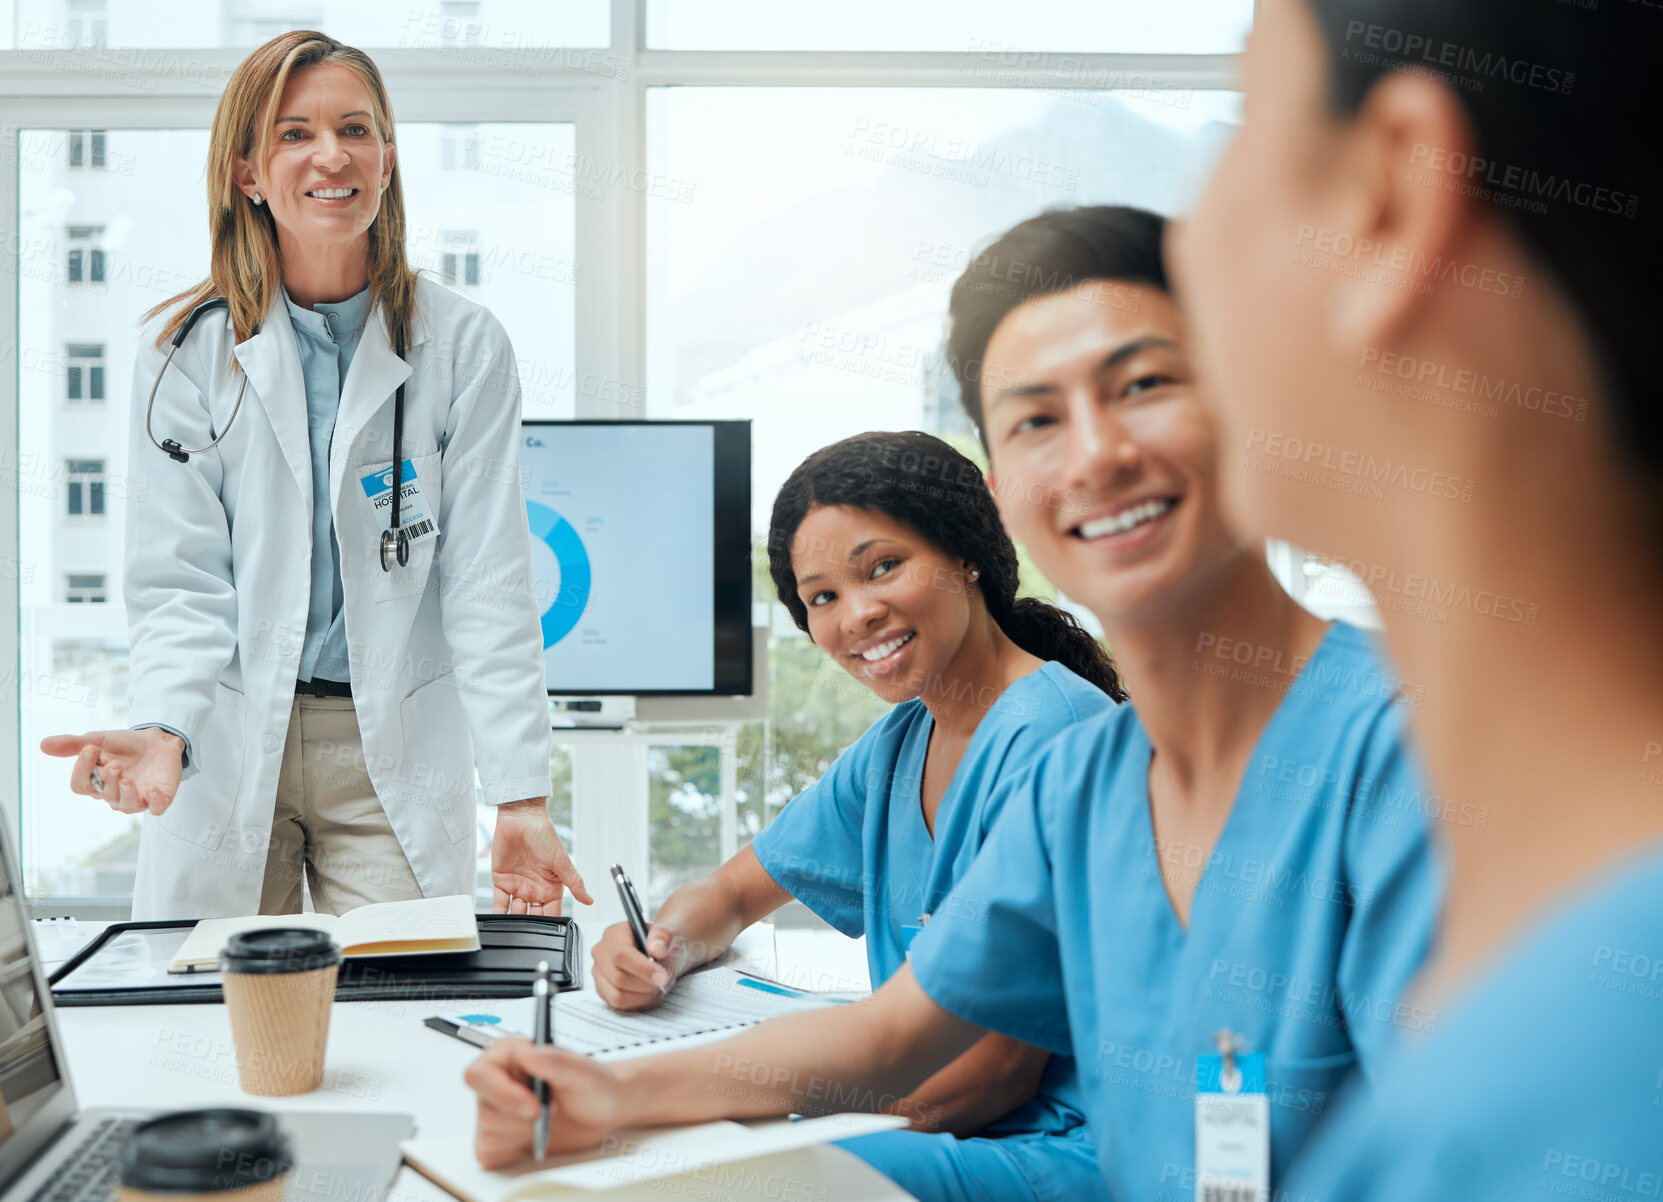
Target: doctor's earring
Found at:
x=258, y=199
x=975, y=573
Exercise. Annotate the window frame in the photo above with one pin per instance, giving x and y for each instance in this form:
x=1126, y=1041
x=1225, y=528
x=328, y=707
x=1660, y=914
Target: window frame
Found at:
x=602, y=92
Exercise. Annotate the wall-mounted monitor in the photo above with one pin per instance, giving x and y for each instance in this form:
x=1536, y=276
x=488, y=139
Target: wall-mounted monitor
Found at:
x=641, y=543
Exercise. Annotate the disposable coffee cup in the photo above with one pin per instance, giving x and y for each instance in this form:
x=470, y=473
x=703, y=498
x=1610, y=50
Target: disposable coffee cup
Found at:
x=223, y=1155
x=279, y=986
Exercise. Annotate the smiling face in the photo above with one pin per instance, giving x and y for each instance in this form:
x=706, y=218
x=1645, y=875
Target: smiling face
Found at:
x=1102, y=456
x=328, y=163
x=892, y=609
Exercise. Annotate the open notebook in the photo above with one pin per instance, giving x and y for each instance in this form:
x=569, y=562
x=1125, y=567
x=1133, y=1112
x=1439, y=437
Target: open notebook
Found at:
x=401, y=928
x=701, y=1152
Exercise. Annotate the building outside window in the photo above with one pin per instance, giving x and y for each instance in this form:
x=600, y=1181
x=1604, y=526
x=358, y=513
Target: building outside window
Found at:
x=459, y=257
x=86, y=256
x=255, y=22
x=86, y=25
x=85, y=588
x=84, y=372
x=459, y=148
x=86, y=148
x=459, y=23
x=84, y=487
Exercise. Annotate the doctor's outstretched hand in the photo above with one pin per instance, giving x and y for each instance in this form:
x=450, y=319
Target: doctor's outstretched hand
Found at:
x=529, y=864
x=131, y=770
x=584, y=1100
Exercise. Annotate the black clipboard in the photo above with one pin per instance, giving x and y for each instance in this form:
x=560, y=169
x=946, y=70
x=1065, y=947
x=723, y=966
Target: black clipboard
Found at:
x=511, y=946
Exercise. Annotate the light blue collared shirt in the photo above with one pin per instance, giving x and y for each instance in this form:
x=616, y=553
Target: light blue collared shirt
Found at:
x=328, y=338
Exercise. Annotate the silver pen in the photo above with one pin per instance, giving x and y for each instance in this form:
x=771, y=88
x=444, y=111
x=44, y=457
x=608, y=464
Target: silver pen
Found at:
x=542, y=1034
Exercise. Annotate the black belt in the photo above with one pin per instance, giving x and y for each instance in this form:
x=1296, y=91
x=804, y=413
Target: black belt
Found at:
x=319, y=687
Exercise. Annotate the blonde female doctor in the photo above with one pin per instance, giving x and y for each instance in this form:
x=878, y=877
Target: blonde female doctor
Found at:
x=298, y=708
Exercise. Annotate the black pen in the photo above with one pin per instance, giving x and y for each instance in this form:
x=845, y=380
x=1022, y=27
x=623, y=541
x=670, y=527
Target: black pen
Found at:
x=632, y=908
x=542, y=994
x=477, y=1034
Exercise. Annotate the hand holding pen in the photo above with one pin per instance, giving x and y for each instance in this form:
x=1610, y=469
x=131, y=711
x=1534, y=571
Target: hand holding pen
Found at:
x=583, y=1098
x=542, y=1002
x=635, y=964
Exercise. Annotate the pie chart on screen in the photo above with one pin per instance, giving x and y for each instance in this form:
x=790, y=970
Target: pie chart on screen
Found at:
x=562, y=571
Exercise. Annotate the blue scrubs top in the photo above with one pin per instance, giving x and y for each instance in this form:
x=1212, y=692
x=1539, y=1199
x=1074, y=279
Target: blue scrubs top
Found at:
x=854, y=849
x=1545, y=1080
x=1313, y=911
x=327, y=338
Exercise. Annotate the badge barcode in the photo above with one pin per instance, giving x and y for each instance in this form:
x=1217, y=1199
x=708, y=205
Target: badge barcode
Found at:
x=1231, y=1191
x=417, y=529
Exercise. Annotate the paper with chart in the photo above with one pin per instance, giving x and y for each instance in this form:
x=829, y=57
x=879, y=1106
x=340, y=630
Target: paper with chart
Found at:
x=717, y=999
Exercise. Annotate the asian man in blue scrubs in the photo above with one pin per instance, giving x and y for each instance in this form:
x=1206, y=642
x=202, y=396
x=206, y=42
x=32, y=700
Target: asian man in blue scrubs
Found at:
x=1244, y=855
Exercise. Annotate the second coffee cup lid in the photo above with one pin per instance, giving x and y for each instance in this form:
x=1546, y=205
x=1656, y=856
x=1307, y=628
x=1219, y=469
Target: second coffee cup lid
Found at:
x=205, y=1151
x=279, y=950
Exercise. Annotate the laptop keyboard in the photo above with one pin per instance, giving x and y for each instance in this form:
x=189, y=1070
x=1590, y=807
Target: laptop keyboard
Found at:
x=89, y=1172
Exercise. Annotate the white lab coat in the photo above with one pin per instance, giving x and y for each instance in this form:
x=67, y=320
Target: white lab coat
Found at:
x=218, y=572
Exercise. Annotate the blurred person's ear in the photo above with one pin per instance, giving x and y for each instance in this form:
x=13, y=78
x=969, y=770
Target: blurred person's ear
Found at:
x=1402, y=167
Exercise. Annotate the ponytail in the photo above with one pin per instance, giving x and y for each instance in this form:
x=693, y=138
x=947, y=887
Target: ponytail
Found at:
x=1051, y=633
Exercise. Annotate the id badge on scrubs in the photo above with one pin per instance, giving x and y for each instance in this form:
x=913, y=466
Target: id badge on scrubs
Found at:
x=1232, y=1130
x=413, y=513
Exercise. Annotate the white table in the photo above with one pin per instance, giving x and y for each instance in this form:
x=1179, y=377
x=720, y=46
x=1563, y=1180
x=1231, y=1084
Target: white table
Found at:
x=380, y=1058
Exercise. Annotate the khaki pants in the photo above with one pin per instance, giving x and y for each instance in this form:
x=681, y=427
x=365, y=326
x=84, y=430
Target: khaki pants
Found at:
x=329, y=828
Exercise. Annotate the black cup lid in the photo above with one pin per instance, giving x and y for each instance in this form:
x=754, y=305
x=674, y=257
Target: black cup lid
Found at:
x=205, y=1151
x=279, y=950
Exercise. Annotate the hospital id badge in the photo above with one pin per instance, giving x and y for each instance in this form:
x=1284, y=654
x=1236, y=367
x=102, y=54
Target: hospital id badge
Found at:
x=415, y=518
x=1232, y=1129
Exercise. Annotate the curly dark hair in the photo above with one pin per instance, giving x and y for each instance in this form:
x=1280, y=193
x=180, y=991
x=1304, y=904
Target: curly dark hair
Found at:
x=933, y=490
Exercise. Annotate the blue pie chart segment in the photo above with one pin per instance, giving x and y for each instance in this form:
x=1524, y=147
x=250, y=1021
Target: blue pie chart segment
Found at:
x=567, y=604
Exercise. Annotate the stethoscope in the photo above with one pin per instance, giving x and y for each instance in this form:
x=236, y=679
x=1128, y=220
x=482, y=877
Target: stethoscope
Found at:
x=395, y=543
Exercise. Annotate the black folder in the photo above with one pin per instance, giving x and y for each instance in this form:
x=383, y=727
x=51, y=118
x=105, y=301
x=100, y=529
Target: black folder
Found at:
x=127, y=966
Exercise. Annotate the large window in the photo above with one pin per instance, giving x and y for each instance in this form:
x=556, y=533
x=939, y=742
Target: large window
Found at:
x=805, y=288
x=739, y=208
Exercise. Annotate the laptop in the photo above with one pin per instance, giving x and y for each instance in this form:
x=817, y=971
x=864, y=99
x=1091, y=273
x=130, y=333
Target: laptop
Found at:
x=53, y=1151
